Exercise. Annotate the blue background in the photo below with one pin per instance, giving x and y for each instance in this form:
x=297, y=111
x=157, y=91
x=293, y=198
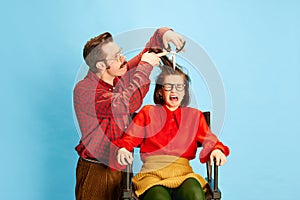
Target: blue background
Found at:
x=254, y=44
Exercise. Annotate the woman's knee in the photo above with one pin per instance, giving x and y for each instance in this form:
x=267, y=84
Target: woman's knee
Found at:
x=190, y=190
x=156, y=192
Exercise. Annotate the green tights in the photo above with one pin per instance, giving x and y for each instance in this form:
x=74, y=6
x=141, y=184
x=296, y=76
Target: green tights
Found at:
x=190, y=189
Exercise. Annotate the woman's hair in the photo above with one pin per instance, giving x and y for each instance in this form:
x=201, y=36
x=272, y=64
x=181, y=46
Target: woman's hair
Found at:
x=166, y=70
x=93, y=52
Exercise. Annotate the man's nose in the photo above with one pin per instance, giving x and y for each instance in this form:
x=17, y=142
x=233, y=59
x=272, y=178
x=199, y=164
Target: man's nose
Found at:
x=122, y=58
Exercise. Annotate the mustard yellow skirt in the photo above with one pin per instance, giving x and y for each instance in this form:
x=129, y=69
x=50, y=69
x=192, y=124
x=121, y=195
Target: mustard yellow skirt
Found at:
x=168, y=171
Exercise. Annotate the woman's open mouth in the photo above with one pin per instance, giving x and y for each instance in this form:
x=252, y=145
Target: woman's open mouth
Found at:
x=173, y=98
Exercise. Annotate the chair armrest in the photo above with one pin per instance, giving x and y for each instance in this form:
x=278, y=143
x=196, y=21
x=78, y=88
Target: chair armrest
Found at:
x=213, y=181
x=128, y=193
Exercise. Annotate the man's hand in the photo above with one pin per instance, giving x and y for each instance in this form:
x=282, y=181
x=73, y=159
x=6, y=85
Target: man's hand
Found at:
x=153, y=58
x=175, y=38
x=219, y=156
x=124, y=157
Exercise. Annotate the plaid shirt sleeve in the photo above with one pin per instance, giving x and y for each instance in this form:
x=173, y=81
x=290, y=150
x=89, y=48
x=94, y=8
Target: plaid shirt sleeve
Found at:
x=154, y=42
x=130, y=91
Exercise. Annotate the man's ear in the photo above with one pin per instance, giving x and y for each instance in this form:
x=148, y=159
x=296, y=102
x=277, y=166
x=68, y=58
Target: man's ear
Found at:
x=100, y=66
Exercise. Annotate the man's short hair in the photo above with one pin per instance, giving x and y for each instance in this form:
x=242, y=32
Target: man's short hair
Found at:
x=93, y=52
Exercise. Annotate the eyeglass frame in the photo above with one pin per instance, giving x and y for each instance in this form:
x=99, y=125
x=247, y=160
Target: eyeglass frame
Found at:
x=172, y=86
x=118, y=56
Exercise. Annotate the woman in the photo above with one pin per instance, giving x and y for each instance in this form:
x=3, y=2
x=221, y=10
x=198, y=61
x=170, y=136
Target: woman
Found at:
x=167, y=134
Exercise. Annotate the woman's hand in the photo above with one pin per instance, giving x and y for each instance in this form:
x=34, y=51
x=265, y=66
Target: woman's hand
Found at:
x=124, y=156
x=219, y=156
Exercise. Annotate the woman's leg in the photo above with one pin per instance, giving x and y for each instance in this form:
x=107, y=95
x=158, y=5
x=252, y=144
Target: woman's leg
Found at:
x=156, y=193
x=190, y=189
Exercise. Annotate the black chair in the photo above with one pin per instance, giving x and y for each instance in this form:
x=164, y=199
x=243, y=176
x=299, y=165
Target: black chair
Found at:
x=213, y=192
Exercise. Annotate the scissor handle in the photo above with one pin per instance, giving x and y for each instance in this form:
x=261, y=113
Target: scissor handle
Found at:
x=177, y=50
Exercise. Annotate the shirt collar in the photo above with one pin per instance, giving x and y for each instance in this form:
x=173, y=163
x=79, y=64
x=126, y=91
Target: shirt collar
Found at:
x=94, y=77
x=176, y=112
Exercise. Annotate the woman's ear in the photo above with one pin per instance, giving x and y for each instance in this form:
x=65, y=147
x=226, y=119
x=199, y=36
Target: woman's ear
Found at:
x=160, y=92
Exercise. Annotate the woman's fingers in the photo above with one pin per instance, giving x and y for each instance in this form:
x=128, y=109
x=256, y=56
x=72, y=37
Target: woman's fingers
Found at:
x=217, y=156
x=124, y=157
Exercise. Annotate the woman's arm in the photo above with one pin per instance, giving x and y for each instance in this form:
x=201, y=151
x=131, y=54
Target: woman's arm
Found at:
x=212, y=147
x=133, y=137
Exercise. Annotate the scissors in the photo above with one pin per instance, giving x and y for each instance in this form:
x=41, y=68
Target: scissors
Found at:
x=174, y=53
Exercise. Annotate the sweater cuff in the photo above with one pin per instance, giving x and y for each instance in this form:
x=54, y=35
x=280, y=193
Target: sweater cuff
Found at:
x=223, y=148
x=120, y=144
x=206, y=151
x=162, y=31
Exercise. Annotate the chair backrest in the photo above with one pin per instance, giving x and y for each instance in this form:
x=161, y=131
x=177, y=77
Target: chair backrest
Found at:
x=207, y=117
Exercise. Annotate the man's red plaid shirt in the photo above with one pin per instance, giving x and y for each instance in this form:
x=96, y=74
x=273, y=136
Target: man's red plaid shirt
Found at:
x=103, y=110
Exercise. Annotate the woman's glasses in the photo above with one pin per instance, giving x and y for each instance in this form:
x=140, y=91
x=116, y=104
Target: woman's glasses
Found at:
x=170, y=86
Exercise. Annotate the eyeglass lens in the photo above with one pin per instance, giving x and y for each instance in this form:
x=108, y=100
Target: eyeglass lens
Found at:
x=169, y=87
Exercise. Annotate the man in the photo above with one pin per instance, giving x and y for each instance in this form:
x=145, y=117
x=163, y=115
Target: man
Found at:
x=111, y=91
